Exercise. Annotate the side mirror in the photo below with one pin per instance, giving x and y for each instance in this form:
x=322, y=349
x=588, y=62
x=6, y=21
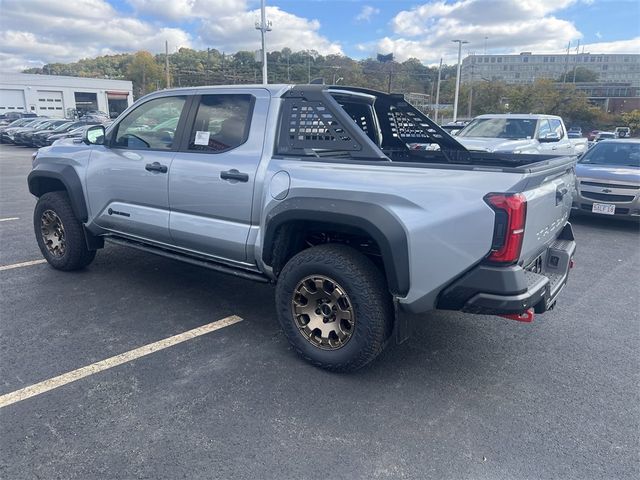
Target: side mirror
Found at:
x=94, y=135
x=549, y=138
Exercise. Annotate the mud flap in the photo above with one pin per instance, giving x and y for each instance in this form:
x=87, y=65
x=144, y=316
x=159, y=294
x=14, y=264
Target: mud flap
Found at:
x=402, y=326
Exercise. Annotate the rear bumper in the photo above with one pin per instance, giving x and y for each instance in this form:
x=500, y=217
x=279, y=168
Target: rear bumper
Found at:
x=491, y=290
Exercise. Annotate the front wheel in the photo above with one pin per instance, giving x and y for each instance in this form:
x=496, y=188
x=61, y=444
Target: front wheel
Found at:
x=334, y=307
x=59, y=233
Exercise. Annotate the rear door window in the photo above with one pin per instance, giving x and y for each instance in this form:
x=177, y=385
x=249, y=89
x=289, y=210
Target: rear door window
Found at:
x=221, y=123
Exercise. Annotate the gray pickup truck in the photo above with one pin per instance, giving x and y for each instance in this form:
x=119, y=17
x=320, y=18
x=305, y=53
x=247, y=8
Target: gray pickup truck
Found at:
x=315, y=189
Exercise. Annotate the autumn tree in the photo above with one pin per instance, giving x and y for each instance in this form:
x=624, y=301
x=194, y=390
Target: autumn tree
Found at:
x=145, y=73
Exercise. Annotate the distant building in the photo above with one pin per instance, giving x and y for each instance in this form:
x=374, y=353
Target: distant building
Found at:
x=527, y=67
x=59, y=96
x=612, y=97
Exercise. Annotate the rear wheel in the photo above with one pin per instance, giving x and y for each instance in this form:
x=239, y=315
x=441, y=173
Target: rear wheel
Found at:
x=334, y=307
x=59, y=233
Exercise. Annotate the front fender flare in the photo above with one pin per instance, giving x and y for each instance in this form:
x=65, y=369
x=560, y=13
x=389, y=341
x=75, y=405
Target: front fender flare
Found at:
x=39, y=184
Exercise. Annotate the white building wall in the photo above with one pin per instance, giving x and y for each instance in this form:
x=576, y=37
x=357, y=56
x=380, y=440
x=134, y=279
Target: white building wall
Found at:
x=43, y=92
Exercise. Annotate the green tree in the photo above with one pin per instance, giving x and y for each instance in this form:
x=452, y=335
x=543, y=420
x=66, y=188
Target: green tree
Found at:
x=632, y=119
x=582, y=75
x=145, y=73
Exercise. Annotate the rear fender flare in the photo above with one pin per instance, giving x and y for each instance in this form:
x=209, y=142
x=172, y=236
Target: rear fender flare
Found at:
x=383, y=227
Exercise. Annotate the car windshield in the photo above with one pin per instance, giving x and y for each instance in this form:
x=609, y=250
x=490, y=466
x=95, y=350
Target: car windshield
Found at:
x=511, y=128
x=39, y=124
x=613, y=153
x=63, y=127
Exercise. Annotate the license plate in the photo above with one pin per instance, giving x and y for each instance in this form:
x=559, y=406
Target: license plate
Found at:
x=604, y=208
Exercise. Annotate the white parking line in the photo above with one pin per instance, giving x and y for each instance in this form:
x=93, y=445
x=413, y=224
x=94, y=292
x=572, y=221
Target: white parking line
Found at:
x=9, y=219
x=21, y=264
x=125, y=357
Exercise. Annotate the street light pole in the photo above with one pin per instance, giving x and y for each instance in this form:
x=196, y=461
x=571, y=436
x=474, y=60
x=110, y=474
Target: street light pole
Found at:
x=455, y=99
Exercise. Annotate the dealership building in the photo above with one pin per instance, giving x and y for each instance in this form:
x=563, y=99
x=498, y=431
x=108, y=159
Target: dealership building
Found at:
x=62, y=97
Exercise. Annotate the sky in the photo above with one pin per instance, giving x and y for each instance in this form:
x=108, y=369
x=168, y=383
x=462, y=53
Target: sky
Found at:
x=35, y=32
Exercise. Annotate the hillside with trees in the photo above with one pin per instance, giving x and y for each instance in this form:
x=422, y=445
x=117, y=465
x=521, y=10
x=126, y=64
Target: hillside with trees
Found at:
x=190, y=67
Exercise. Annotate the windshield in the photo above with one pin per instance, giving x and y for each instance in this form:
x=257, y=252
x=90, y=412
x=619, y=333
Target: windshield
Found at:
x=613, y=153
x=511, y=128
x=63, y=127
x=18, y=123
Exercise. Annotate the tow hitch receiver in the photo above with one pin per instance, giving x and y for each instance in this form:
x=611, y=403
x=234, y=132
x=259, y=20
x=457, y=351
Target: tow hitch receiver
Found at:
x=526, y=317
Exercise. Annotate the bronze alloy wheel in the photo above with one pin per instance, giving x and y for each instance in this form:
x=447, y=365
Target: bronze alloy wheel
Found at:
x=52, y=232
x=323, y=312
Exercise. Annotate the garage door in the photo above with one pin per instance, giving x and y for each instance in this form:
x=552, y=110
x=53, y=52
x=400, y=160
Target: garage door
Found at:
x=12, y=101
x=50, y=103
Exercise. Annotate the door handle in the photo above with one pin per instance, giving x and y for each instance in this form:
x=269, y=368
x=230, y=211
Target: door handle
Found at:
x=156, y=167
x=561, y=191
x=234, y=174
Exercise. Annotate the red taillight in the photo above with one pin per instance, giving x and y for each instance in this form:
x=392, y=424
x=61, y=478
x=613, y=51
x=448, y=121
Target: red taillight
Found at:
x=511, y=214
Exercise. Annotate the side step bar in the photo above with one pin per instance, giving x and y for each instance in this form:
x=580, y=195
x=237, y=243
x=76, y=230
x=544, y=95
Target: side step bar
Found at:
x=218, y=267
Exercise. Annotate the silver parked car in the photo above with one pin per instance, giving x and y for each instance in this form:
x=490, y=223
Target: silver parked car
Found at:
x=608, y=179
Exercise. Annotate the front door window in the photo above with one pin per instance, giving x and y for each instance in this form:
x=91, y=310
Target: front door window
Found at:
x=151, y=126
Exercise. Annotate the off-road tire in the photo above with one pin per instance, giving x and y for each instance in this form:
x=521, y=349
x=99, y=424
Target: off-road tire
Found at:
x=369, y=296
x=76, y=254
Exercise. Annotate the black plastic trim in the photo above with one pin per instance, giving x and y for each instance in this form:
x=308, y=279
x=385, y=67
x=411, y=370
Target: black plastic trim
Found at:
x=492, y=290
x=211, y=265
x=359, y=145
x=377, y=222
x=66, y=175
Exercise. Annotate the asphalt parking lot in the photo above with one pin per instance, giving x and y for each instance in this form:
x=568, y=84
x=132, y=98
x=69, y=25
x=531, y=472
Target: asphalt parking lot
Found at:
x=467, y=397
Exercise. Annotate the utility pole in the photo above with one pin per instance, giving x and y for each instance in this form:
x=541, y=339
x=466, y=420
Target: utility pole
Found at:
x=144, y=79
x=264, y=27
x=288, y=70
x=208, y=66
x=566, y=64
x=438, y=92
x=471, y=86
x=575, y=65
x=309, y=68
x=455, y=99
x=166, y=64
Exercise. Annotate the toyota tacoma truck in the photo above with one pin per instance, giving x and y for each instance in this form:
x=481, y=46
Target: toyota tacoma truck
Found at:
x=315, y=189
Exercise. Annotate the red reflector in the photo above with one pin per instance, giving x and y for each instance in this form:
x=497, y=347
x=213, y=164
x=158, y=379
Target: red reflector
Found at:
x=515, y=207
x=572, y=263
x=526, y=317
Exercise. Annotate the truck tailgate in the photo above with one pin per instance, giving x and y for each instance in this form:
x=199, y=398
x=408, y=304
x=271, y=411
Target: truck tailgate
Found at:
x=549, y=190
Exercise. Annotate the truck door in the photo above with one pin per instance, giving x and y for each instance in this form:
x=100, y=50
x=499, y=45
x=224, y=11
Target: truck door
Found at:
x=127, y=177
x=212, y=175
x=564, y=146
